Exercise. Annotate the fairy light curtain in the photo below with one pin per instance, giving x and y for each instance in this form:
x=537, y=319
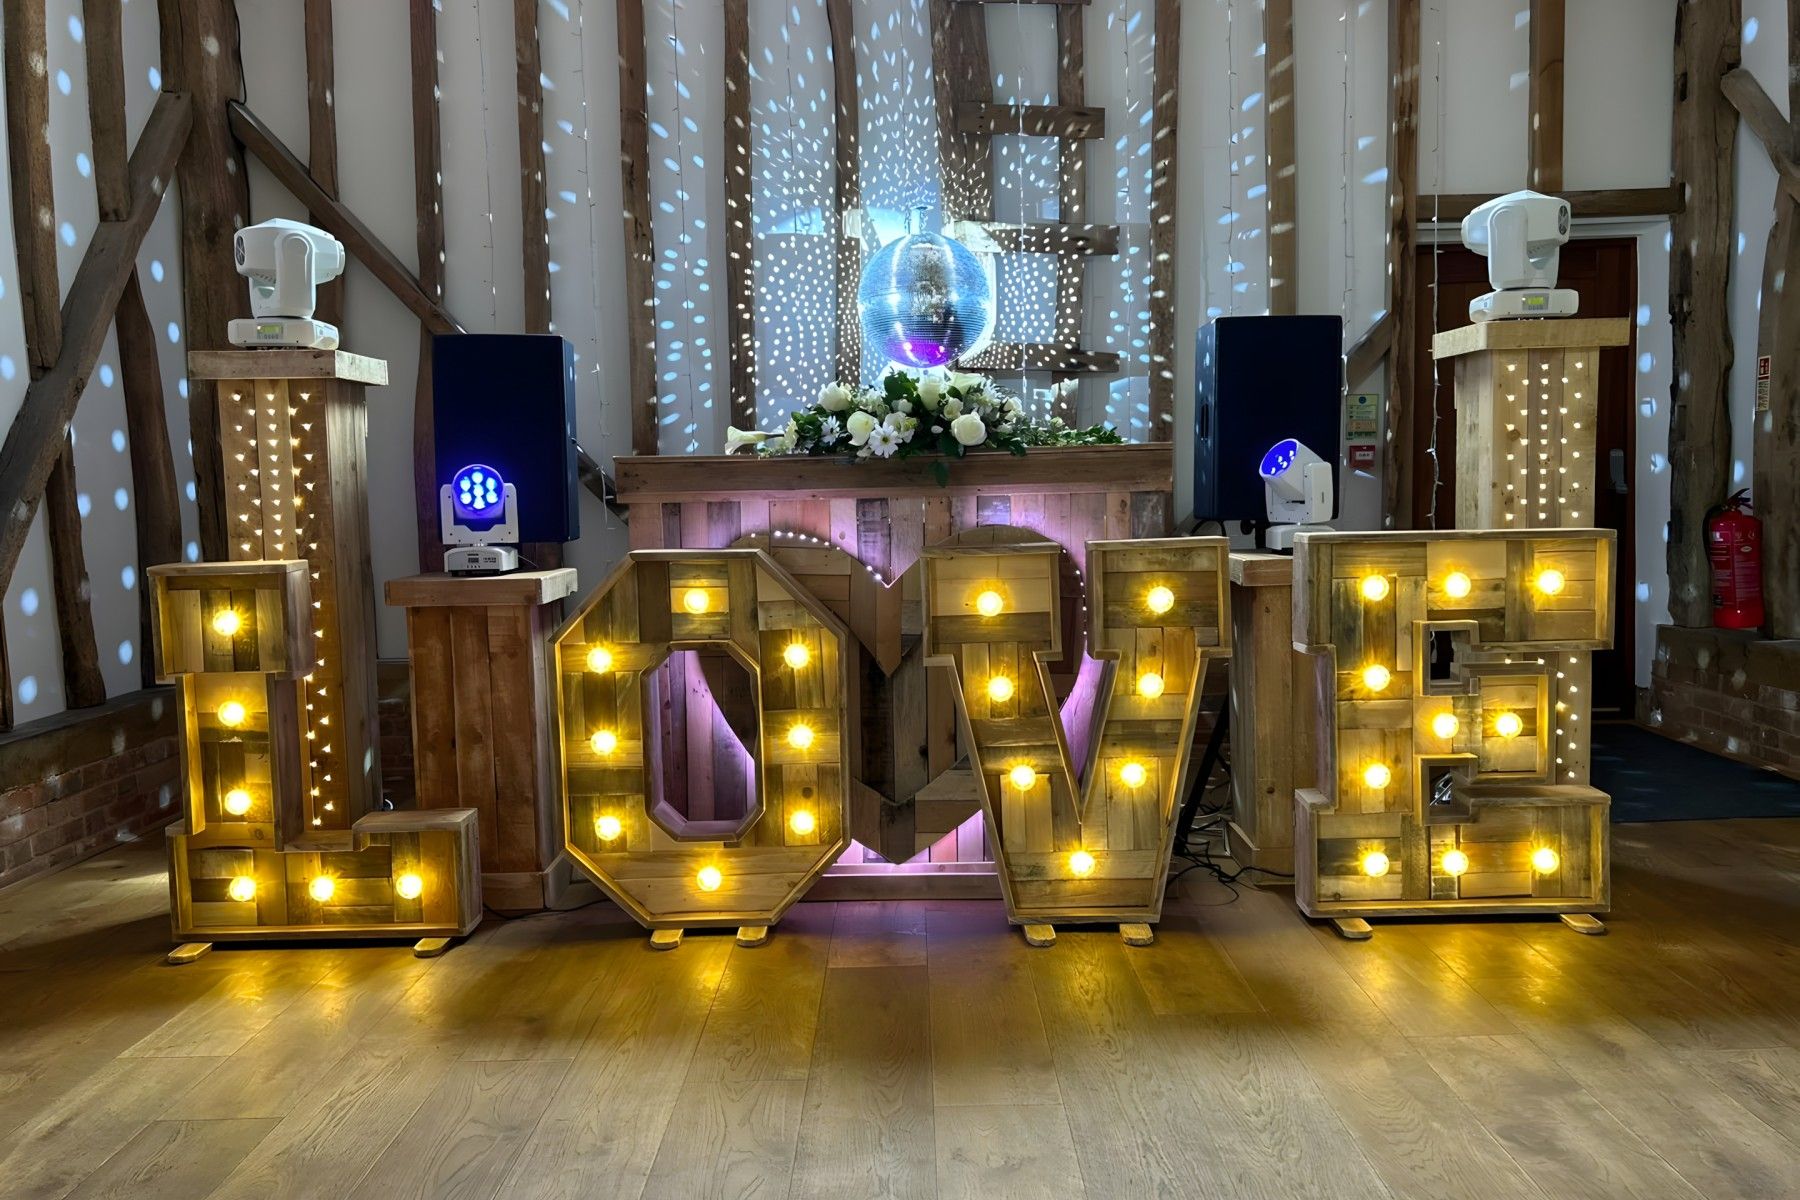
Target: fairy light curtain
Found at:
x=794, y=298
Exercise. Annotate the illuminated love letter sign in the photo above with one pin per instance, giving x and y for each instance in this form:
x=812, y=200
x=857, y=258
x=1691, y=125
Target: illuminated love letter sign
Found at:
x=245, y=861
x=1452, y=686
x=1091, y=845
x=704, y=739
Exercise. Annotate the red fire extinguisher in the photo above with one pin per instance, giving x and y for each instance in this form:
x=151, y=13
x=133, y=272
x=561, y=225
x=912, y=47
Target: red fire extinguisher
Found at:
x=1734, y=547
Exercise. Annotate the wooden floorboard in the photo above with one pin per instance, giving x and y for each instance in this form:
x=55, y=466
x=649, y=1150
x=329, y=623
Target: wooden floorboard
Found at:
x=923, y=1050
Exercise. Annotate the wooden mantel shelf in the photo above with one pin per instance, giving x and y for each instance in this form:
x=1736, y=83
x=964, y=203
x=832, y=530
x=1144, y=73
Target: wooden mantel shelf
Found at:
x=671, y=479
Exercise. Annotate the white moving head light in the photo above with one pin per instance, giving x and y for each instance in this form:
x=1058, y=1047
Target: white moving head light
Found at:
x=285, y=263
x=1297, y=489
x=1521, y=234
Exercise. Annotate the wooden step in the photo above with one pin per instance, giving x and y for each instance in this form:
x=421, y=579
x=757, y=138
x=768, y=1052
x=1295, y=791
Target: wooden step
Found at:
x=1036, y=237
x=1063, y=360
x=1035, y=120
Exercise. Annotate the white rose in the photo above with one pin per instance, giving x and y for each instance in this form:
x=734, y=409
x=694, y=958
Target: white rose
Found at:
x=968, y=430
x=931, y=392
x=834, y=397
x=860, y=425
x=953, y=407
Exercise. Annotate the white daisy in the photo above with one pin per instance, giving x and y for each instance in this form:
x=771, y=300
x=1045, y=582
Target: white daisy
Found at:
x=883, y=441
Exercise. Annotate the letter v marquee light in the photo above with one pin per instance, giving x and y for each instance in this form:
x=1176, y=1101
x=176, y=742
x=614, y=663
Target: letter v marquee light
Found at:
x=1089, y=844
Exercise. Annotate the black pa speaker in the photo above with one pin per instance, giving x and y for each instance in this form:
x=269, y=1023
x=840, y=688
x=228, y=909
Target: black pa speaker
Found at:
x=1258, y=380
x=507, y=400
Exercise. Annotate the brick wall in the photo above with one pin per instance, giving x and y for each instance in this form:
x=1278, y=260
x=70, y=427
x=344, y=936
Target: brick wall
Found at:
x=1729, y=692
x=76, y=783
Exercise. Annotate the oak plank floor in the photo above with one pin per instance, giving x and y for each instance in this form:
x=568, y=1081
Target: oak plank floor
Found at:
x=922, y=1050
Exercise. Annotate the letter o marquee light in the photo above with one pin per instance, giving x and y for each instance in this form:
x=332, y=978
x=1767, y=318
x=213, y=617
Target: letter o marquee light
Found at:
x=664, y=869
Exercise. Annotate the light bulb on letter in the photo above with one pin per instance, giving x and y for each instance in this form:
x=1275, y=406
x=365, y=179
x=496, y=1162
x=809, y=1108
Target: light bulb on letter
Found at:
x=237, y=802
x=1150, y=685
x=796, y=655
x=1081, y=863
x=1375, y=864
x=1456, y=585
x=1133, y=774
x=989, y=604
x=695, y=600
x=1374, y=587
x=1022, y=777
x=1445, y=725
x=800, y=736
x=1550, y=581
x=1000, y=689
x=608, y=828
x=1377, y=775
x=409, y=886
x=1159, y=600
x=226, y=622
x=599, y=660
x=604, y=741
x=1508, y=725
x=1455, y=862
x=322, y=888
x=232, y=714
x=242, y=889
x=709, y=879
x=1544, y=860
x=1376, y=678
x=802, y=822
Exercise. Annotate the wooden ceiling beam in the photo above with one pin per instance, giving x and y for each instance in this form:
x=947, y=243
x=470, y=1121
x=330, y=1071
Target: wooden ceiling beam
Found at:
x=1544, y=137
x=35, y=440
x=1403, y=267
x=321, y=131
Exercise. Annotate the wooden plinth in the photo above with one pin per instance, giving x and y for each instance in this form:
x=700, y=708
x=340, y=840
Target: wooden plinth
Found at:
x=1527, y=394
x=1270, y=718
x=852, y=533
x=293, y=434
x=484, y=721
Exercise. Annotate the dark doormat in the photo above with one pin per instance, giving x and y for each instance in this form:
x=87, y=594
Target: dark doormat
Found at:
x=1654, y=778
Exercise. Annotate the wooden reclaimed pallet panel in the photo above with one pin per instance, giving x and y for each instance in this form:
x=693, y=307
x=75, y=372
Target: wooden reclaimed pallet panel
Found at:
x=1452, y=702
x=1085, y=837
x=1527, y=395
x=250, y=858
x=625, y=824
x=483, y=719
x=1270, y=712
x=293, y=434
x=868, y=523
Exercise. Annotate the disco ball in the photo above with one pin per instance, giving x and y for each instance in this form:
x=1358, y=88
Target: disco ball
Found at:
x=924, y=300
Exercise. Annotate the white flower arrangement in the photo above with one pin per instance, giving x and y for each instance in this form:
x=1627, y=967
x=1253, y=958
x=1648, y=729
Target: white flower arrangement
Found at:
x=946, y=413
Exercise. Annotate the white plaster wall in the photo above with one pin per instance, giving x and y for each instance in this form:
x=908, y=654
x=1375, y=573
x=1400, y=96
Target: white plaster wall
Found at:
x=1472, y=139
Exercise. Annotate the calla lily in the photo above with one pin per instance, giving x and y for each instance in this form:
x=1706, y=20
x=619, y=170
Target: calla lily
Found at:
x=736, y=439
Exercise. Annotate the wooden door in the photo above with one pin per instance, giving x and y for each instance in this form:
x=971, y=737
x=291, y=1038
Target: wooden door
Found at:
x=1604, y=271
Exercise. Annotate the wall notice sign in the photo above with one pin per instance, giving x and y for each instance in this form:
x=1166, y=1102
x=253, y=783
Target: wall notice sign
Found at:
x=1762, y=384
x=1362, y=458
x=1362, y=424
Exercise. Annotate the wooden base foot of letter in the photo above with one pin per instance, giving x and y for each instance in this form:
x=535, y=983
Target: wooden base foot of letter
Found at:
x=665, y=939
x=752, y=935
x=1584, y=923
x=1137, y=933
x=187, y=952
x=1040, y=935
x=430, y=947
x=1354, y=928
